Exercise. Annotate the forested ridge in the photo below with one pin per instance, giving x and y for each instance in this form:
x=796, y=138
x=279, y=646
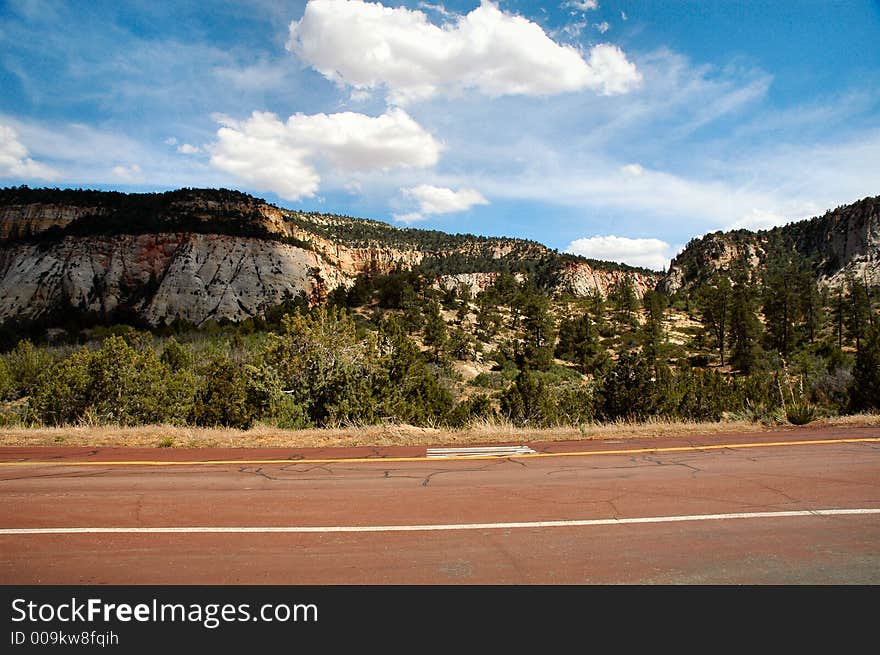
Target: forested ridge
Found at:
x=765, y=343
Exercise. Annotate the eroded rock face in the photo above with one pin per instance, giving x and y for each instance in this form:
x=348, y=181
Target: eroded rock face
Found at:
x=192, y=277
x=841, y=244
x=21, y=220
x=581, y=279
x=198, y=255
x=473, y=282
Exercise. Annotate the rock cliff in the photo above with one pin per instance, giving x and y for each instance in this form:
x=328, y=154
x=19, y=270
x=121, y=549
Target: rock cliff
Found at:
x=197, y=255
x=843, y=242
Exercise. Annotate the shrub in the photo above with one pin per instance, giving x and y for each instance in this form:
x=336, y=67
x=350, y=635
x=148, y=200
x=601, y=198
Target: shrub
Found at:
x=528, y=401
x=800, y=412
x=221, y=398
x=26, y=364
x=62, y=396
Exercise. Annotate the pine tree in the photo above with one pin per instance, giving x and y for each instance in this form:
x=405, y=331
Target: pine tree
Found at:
x=435, y=332
x=627, y=391
x=858, y=315
x=626, y=303
x=782, y=305
x=713, y=301
x=538, y=337
x=745, y=328
x=839, y=313
x=579, y=342
x=653, y=332
x=865, y=391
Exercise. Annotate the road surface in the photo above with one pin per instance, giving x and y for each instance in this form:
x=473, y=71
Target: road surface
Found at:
x=785, y=507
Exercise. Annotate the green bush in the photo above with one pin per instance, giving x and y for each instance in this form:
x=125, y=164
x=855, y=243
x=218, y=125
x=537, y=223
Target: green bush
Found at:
x=528, y=401
x=26, y=364
x=63, y=394
x=116, y=384
x=7, y=385
x=800, y=412
x=222, y=398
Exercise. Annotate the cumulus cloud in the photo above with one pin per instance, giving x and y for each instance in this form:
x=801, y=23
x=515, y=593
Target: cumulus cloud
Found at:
x=649, y=253
x=14, y=159
x=188, y=149
x=604, y=26
x=366, y=45
x=439, y=200
x=283, y=156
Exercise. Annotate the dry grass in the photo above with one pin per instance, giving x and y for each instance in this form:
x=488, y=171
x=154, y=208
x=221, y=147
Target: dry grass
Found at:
x=157, y=436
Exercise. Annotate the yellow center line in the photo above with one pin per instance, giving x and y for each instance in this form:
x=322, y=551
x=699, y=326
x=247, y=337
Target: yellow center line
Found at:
x=384, y=460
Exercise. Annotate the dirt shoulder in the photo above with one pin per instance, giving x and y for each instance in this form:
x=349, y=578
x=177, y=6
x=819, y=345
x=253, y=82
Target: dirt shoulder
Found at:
x=163, y=436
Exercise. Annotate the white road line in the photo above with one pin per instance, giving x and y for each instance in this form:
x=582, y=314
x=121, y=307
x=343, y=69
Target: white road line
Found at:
x=428, y=528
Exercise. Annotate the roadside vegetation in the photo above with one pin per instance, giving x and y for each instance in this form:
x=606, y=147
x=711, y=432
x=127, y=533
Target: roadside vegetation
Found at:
x=395, y=350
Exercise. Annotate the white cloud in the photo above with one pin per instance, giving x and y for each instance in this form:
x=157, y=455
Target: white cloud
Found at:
x=171, y=141
x=574, y=30
x=581, y=5
x=130, y=173
x=188, y=149
x=14, y=159
x=649, y=253
x=759, y=219
x=603, y=27
x=284, y=157
x=440, y=9
x=366, y=45
x=633, y=169
x=360, y=95
x=439, y=200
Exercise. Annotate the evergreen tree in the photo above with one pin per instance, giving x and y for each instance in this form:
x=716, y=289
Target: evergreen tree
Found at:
x=812, y=306
x=579, y=342
x=782, y=305
x=528, y=401
x=865, y=391
x=858, y=316
x=627, y=391
x=626, y=303
x=488, y=317
x=537, y=337
x=839, y=313
x=745, y=328
x=596, y=308
x=435, y=332
x=713, y=301
x=653, y=332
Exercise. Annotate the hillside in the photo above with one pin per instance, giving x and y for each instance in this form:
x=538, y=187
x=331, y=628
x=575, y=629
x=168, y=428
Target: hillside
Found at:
x=195, y=255
x=843, y=242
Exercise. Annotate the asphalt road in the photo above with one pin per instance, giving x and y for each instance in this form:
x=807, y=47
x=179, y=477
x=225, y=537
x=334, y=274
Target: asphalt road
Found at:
x=787, y=507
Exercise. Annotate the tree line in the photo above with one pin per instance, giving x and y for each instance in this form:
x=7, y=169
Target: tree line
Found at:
x=390, y=349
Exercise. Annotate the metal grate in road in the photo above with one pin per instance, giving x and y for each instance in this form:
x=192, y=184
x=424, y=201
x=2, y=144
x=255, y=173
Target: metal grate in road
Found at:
x=479, y=451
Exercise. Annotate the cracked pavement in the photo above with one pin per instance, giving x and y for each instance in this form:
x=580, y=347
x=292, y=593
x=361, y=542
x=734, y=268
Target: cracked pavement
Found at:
x=297, y=492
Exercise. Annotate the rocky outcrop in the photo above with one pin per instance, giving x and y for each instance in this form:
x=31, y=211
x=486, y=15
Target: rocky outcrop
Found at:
x=474, y=283
x=162, y=277
x=200, y=255
x=21, y=220
x=582, y=279
x=843, y=243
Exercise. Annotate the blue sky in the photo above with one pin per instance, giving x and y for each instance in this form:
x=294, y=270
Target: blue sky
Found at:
x=615, y=129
